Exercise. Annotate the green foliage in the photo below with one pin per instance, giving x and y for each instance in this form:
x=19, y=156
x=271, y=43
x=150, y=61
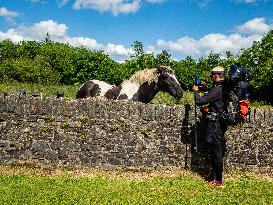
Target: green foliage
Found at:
x=8, y=50
x=28, y=49
x=27, y=70
x=138, y=49
x=95, y=65
x=185, y=71
x=163, y=58
x=259, y=59
x=59, y=57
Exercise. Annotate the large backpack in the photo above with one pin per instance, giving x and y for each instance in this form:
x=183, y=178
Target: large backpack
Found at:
x=236, y=95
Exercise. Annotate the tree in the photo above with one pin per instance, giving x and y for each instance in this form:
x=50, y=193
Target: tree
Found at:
x=185, y=71
x=259, y=59
x=163, y=58
x=59, y=57
x=138, y=49
x=8, y=50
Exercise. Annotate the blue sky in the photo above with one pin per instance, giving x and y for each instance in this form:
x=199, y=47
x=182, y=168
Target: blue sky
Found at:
x=182, y=27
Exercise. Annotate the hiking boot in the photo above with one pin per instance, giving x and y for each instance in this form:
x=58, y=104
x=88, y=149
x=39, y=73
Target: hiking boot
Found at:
x=212, y=183
x=222, y=185
x=217, y=184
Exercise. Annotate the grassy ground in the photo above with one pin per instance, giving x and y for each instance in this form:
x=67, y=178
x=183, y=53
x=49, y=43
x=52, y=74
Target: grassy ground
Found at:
x=36, y=186
x=71, y=90
x=46, y=90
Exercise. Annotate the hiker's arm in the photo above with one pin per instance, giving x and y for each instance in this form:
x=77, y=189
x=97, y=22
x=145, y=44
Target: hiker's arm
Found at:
x=207, y=98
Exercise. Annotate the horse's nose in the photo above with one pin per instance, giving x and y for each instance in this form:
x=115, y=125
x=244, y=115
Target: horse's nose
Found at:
x=179, y=93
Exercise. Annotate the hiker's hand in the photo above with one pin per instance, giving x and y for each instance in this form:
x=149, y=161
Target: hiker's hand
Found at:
x=195, y=88
x=204, y=85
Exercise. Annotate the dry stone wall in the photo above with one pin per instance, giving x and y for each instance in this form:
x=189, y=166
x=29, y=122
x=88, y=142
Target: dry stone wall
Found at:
x=118, y=134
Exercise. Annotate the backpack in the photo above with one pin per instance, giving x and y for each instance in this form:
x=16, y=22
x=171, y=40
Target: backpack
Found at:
x=236, y=95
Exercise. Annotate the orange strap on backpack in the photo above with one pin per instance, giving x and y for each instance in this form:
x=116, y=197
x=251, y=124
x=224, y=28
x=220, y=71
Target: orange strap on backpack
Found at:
x=206, y=109
x=244, y=108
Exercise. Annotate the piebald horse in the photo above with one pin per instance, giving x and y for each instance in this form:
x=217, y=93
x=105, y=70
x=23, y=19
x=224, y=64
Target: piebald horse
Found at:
x=141, y=87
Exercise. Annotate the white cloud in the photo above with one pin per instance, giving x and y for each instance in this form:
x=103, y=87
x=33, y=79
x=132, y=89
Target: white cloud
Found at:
x=255, y=26
x=117, y=50
x=114, y=6
x=7, y=13
x=244, y=36
x=39, y=30
x=12, y=35
x=81, y=41
x=58, y=32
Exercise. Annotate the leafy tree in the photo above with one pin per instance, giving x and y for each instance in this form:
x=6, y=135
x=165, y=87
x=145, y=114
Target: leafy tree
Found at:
x=185, y=71
x=28, y=70
x=59, y=57
x=258, y=58
x=163, y=58
x=8, y=50
x=95, y=65
x=138, y=49
x=28, y=49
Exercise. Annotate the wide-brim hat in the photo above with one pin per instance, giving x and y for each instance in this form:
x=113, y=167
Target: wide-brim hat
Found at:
x=217, y=70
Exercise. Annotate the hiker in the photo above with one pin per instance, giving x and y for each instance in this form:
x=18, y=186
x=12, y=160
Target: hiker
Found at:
x=215, y=129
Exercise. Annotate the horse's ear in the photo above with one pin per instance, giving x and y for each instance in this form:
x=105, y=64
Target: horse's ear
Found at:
x=160, y=70
x=163, y=70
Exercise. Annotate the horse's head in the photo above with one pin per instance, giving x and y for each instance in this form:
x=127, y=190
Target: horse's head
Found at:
x=167, y=81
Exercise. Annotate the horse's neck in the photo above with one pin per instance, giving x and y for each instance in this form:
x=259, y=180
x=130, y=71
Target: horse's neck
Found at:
x=128, y=90
x=142, y=93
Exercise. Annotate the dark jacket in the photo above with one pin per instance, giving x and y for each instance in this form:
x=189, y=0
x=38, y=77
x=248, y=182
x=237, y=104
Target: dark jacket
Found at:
x=214, y=98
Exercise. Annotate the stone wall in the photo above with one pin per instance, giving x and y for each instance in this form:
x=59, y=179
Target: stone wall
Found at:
x=117, y=134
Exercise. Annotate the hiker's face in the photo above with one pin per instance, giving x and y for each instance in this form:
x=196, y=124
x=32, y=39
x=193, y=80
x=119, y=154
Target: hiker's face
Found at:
x=215, y=77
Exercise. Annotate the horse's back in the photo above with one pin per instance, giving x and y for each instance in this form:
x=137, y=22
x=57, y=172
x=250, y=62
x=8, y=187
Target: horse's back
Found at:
x=93, y=88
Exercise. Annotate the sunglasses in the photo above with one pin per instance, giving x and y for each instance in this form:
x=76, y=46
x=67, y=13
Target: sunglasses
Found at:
x=212, y=74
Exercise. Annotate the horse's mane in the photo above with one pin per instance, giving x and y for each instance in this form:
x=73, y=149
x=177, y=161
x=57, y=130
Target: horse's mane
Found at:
x=147, y=75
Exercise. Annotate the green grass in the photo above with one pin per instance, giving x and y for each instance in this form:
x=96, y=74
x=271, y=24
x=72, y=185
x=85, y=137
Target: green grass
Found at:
x=46, y=90
x=22, y=189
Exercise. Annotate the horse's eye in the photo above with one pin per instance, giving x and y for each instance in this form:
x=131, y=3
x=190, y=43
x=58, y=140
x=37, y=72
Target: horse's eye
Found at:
x=162, y=74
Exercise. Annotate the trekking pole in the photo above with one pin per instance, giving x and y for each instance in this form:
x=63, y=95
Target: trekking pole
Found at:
x=197, y=82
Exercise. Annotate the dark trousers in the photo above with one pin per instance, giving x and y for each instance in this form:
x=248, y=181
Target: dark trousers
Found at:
x=216, y=159
x=216, y=146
